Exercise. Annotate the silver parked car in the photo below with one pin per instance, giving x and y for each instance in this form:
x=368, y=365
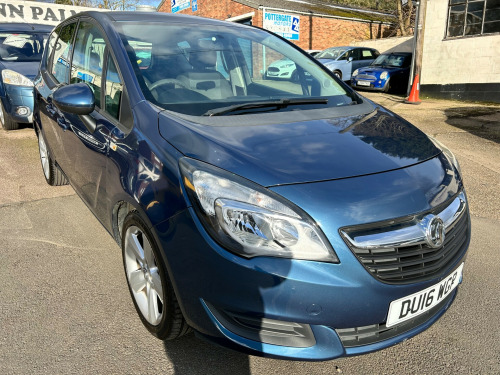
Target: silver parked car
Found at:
x=342, y=61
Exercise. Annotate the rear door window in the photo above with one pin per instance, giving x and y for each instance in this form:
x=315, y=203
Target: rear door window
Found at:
x=367, y=54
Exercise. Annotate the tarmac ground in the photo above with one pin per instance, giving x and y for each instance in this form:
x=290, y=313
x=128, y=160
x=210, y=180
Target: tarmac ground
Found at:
x=65, y=307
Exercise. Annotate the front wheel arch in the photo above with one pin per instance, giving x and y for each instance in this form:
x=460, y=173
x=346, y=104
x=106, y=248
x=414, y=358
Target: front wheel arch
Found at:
x=169, y=322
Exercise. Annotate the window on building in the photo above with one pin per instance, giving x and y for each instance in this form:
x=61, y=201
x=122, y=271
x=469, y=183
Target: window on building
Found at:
x=473, y=17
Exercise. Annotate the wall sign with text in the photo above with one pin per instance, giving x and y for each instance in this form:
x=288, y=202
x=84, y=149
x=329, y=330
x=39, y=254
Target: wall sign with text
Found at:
x=286, y=25
x=178, y=5
x=37, y=12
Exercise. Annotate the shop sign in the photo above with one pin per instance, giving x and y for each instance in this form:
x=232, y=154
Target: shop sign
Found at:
x=286, y=25
x=178, y=5
x=37, y=12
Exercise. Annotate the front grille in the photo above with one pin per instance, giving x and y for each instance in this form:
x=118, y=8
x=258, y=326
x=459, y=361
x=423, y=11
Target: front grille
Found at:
x=273, y=69
x=414, y=262
x=366, y=335
x=367, y=77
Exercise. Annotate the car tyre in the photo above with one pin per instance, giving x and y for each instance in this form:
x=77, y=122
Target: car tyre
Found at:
x=387, y=87
x=6, y=121
x=51, y=171
x=149, y=284
x=338, y=74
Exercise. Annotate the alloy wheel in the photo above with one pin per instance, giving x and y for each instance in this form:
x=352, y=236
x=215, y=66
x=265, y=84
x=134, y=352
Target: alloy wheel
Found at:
x=44, y=156
x=143, y=275
x=2, y=116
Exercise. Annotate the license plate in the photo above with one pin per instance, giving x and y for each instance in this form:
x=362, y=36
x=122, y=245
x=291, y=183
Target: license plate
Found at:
x=411, y=306
x=363, y=83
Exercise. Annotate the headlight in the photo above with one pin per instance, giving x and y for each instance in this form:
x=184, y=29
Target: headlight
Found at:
x=250, y=220
x=384, y=75
x=355, y=73
x=446, y=151
x=14, y=78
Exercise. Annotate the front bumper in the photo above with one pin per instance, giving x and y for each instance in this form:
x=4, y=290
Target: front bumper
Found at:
x=17, y=101
x=279, y=75
x=374, y=85
x=213, y=285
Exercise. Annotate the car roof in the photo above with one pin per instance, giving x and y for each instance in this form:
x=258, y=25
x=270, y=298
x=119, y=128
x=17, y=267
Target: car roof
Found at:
x=153, y=17
x=347, y=48
x=397, y=53
x=25, y=27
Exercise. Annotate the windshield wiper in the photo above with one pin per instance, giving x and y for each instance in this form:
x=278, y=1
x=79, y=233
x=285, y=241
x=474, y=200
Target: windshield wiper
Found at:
x=281, y=103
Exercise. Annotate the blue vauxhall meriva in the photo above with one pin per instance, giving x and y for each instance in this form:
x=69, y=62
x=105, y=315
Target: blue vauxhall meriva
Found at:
x=284, y=218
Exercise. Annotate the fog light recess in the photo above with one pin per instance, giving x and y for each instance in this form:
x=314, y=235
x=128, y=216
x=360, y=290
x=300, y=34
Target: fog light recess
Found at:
x=269, y=331
x=22, y=111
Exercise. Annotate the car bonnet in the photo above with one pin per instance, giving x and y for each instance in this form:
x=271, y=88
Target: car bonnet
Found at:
x=300, y=146
x=28, y=69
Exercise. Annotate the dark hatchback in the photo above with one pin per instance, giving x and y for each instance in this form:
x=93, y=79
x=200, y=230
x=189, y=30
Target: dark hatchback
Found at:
x=21, y=48
x=283, y=218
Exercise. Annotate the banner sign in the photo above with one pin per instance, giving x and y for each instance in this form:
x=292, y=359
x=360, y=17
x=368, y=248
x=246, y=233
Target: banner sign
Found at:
x=178, y=5
x=286, y=25
x=194, y=5
x=37, y=12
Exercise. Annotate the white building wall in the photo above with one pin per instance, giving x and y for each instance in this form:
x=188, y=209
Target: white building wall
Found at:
x=37, y=12
x=456, y=61
x=401, y=44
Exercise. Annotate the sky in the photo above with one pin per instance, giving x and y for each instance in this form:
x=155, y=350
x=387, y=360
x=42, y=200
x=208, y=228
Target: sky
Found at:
x=155, y=3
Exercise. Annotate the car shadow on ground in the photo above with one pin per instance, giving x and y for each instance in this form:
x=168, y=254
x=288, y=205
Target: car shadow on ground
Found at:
x=191, y=356
x=483, y=122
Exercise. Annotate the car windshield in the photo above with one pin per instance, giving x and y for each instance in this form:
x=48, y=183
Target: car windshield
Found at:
x=22, y=46
x=331, y=53
x=392, y=60
x=196, y=69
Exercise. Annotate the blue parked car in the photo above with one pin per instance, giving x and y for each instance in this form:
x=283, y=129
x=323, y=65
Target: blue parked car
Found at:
x=342, y=61
x=21, y=47
x=389, y=72
x=288, y=219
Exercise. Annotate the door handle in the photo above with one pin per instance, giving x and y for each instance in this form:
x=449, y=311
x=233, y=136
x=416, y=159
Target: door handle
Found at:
x=62, y=123
x=50, y=109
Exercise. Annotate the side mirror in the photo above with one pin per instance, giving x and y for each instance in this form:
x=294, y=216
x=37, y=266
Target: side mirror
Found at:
x=76, y=98
x=350, y=59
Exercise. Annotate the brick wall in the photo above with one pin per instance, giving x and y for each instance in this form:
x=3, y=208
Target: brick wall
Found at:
x=325, y=32
x=218, y=9
x=329, y=32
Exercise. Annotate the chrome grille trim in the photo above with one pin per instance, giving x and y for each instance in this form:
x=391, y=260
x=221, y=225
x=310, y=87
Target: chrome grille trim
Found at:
x=410, y=257
x=414, y=234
